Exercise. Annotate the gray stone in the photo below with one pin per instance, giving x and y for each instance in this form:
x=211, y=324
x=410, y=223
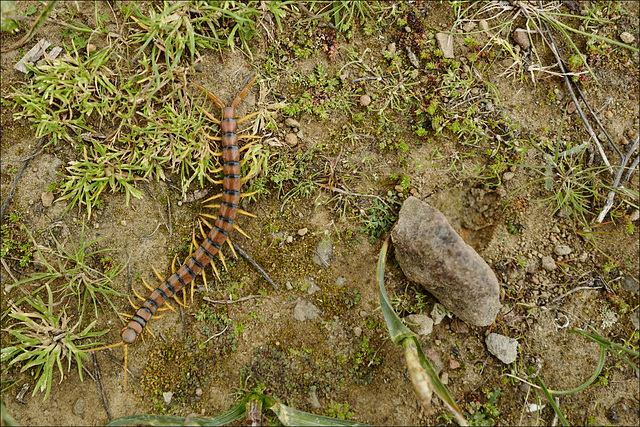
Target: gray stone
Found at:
x=562, y=250
x=437, y=314
x=322, y=256
x=167, y=396
x=47, y=198
x=305, y=310
x=504, y=348
x=548, y=263
x=484, y=25
x=445, y=43
x=423, y=324
x=431, y=253
x=313, y=286
x=340, y=281
x=627, y=37
x=634, y=317
x=78, y=407
x=630, y=284
x=292, y=123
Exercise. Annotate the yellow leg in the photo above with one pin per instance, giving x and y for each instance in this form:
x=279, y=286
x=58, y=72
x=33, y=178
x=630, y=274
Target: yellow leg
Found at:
x=241, y=231
x=247, y=117
x=232, y=249
x=221, y=256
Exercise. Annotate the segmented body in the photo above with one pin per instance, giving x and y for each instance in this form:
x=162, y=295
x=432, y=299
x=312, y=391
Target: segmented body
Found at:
x=218, y=234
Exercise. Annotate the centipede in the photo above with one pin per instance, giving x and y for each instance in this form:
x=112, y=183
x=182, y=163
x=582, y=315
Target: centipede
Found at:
x=217, y=236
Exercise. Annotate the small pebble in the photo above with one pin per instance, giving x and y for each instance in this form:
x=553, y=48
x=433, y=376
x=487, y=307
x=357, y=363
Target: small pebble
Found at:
x=391, y=48
x=508, y=176
x=398, y=188
x=365, y=100
x=521, y=37
x=562, y=250
x=454, y=364
x=302, y=231
x=548, y=263
x=292, y=123
x=484, y=25
x=571, y=108
x=123, y=222
x=167, y=395
x=47, y=199
x=627, y=37
x=608, y=114
x=198, y=391
x=291, y=139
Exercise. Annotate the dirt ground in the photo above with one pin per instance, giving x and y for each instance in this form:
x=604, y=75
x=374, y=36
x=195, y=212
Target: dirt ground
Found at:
x=342, y=363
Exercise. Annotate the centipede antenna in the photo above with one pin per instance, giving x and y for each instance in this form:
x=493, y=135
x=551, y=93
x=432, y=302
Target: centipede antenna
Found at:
x=210, y=95
x=244, y=91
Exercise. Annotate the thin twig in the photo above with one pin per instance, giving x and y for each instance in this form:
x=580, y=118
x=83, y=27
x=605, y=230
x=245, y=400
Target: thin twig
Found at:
x=616, y=182
x=556, y=52
x=100, y=387
x=15, y=181
x=114, y=360
x=253, y=263
x=243, y=299
x=579, y=288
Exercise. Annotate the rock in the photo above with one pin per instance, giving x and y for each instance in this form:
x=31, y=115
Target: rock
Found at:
x=445, y=43
x=340, y=281
x=391, y=48
x=504, y=348
x=444, y=378
x=313, y=286
x=313, y=399
x=305, y=310
x=291, y=139
x=548, y=263
x=508, y=176
x=453, y=364
x=431, y=253
x=627, y=37
x=459, y=326
x=630, y=284
x=47, y=199
x=78, y=407
x=365, y=100
x=571, y=108
x=484, y=25
x=167, y=396
x=292, y=123
x=532, y=266
x=437, y=314
x=357, y=331
x=322, y=256
x=423, y=323
x=521, y=37
x=562, y=250
x=634, y=317
x=302, y=231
